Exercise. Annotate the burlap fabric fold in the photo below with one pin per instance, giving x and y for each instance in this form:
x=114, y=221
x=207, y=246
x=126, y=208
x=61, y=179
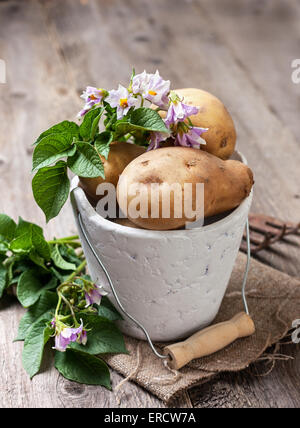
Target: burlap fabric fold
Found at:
x=274, y=303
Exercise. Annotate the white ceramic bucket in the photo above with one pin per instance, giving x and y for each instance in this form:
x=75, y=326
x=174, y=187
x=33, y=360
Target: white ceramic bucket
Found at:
x=173, y=282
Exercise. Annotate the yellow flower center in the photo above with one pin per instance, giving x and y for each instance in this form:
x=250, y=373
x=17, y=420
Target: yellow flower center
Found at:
x=152, y=93
x=123, y=102
x=93, y=97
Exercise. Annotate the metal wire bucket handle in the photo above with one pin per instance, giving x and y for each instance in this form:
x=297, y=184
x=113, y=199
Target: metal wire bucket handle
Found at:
x=180, y=355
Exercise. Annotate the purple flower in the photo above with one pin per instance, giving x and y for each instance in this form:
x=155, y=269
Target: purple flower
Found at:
x=155, y=139
x=92, y=96
x=178, y=112
x=152, y=87
x=68, y=335
x=93, y=295
x=82, y=340
x=192, y=138
x=122, y=99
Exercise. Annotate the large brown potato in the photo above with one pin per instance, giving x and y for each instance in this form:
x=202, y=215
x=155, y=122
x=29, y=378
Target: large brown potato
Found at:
x=226, y=184
x=221, y=136
x=119, y=157
x=127, y=223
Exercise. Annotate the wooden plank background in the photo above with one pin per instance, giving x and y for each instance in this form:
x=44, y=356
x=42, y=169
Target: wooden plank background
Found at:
x=239, y=50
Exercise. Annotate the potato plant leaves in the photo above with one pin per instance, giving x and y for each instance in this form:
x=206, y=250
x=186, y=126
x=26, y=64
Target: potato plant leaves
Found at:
x=90, y=123
x=52, y=148
x=7, y=227
x=82, y=368
x=39, y=268
x=29, y=236
x=104, y=337
x=141, y=119
x=51, y=187
x=86, y=162
x=59, y=261
x=65, y=127
x=46, y=303
x=35, y=341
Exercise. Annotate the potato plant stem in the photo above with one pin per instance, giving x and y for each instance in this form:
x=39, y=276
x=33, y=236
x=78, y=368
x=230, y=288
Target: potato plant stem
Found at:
x=61, y=297
x=80, y=268
x=65, y=240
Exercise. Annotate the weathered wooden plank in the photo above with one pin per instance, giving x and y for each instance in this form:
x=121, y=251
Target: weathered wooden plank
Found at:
x=252, y=389
x=97, y=42
x=209, y=61
x=38, y=94
x=263, y=37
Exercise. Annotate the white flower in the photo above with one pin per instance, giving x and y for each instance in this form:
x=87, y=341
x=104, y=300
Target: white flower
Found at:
x=122, y=99
x=92, y=96
x=152, y=87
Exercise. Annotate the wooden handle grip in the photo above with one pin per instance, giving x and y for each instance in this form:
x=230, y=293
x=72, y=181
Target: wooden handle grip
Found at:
x=210, y=340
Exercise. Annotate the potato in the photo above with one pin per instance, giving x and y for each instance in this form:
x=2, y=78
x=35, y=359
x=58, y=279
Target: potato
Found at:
x=127, y=223
x=221, y=136
x=226, y=184
x=119, y=157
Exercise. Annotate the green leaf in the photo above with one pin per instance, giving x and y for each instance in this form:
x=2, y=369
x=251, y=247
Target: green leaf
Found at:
x=59, y=261
x=16, y=265
x=3, y=279
x=10, y=264
x=86, y=162
x=82, y=368
x=51, y=187
x=22, y=242
x=28, y=236
x=104, y=336
x=35, y=341
x=95, y=125
x=51, y=149
x=143, y=119
x=108, y=311
x=88, y=125
x=38, y=260
x=46, y=304
x=51, y=284
x=61, y=278
x=65, y=127
x=69, y=254
x=102, y=143
x=31, y=285
x=7, y=227
x=4, y=247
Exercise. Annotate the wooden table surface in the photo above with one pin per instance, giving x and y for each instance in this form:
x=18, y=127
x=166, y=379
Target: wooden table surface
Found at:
x=239, y=50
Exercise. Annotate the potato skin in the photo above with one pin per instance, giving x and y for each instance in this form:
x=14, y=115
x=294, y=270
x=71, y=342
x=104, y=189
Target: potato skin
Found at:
x=120, y=155
x=127, y=223
x=226, y=183
x=221, y=136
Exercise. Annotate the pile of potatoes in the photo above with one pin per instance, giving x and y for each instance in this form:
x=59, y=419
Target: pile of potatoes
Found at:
x=226, y=182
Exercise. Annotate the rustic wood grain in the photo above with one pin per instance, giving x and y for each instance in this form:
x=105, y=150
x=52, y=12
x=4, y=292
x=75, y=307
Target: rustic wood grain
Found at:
x=263, y=37
x=241, y=51
x=37, y=95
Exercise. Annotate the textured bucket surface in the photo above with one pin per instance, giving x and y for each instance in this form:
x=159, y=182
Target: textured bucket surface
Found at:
x=173, y=282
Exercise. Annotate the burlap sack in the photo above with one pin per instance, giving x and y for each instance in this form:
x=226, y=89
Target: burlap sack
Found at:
x=274, y=303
